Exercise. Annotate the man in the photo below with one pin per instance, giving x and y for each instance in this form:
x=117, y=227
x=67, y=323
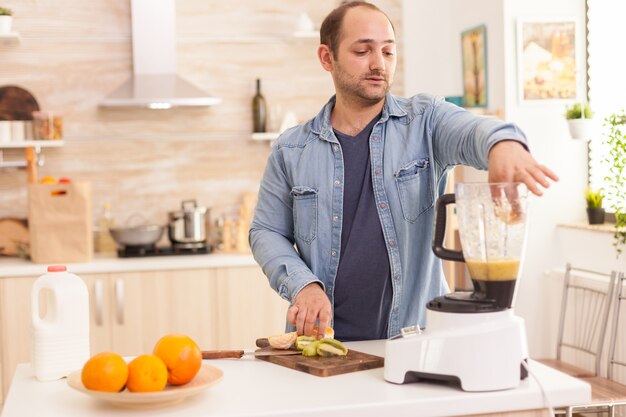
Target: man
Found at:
x=354, y=188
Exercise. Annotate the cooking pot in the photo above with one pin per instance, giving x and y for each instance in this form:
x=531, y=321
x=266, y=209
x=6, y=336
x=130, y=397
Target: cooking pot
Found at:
x=189, y=225
x=137, y=236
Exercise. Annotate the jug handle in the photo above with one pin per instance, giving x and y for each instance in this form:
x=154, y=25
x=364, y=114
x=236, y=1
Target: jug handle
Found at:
x=36, y=320
x=440, y=230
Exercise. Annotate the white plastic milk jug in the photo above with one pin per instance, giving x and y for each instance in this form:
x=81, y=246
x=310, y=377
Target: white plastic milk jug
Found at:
x=59, y=339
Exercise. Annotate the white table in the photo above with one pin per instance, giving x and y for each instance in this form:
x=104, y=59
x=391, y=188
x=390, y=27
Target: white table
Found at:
x=252, y=387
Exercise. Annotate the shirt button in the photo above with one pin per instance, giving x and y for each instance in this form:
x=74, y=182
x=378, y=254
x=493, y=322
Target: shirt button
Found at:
x=335, y=218
x=377, y=171
x=392, y=243
x=375, y=138
x=333, y=253
x=335, y=148
x=383, y=205
x=337, y=182
x=395, y=309
x=396, y=277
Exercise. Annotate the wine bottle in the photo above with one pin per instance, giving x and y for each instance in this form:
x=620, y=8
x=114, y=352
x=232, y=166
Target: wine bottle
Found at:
x=259, y=109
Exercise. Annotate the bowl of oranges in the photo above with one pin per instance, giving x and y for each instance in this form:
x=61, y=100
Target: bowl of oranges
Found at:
x=171, y=373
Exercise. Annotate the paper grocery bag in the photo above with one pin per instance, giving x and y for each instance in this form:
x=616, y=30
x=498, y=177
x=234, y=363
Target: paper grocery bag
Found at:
x=60, y=222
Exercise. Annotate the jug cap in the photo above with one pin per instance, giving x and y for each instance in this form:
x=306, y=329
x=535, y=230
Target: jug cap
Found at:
x=57, y=268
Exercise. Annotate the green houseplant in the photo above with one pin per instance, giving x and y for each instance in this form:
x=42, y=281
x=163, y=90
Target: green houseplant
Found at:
x=580, y=120
x=5, y=20
x=616, y=180
x=595, y=211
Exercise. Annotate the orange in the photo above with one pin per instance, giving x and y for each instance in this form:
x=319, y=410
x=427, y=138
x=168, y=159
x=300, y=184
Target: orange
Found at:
x=105, y=371
x=146, y=373
x=48, y=180
x=181, y=355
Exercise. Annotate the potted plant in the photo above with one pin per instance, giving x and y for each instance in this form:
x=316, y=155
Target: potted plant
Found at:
x=595, y=212
x=580, y=122
x=616, y=180
x=5, y=20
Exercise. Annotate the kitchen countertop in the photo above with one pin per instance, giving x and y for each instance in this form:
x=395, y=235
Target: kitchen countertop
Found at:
x=252, y=387
x=16, y=267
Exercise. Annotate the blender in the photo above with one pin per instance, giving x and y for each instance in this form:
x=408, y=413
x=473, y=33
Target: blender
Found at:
x=472, y=338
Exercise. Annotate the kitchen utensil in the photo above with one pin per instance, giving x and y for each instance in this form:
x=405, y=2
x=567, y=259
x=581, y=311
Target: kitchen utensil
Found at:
x=139, y=235
x=205, y=378
x=188, y=226
x=31, y=165
x=13, y=236
x=327, y=366
x=16, y=103
x=465, y=326
x=237, y=354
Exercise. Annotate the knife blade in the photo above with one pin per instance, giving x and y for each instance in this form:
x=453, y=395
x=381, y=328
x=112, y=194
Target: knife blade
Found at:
x=237, y=354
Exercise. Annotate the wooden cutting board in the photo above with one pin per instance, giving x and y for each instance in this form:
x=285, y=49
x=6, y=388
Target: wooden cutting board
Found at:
x=335, y=365
x=16, y=103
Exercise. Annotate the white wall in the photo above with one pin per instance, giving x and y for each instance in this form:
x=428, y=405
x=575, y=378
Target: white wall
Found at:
x=550, y=144
x=433, y=46
x=543, y=124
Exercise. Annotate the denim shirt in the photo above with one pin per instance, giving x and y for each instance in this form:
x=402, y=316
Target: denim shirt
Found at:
x=296, y=232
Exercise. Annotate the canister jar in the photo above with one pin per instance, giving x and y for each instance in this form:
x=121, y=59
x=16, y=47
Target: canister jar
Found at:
x=190, y=225
x=47, y=125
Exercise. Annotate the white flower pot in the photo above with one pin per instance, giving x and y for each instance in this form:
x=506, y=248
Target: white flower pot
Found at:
x=5, y=24
x=581, y=128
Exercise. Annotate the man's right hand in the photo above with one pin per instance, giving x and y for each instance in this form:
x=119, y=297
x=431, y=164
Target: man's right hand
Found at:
x=311, y=305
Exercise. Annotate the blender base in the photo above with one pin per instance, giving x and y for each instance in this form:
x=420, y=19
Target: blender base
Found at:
x=478, y=351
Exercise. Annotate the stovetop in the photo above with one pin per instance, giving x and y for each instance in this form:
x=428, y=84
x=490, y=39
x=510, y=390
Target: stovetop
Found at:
x=146, y=251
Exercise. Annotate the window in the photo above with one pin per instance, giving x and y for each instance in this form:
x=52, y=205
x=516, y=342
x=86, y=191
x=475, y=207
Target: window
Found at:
x=606, y=34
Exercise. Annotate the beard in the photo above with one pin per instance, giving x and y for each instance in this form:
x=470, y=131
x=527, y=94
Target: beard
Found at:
x=357, y=88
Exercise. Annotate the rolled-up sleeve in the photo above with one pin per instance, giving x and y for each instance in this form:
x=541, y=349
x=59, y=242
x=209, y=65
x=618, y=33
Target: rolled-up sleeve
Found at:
x=271, y=233
x=460, y=137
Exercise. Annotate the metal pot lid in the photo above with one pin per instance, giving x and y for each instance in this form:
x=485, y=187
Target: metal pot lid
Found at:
x=188, y=206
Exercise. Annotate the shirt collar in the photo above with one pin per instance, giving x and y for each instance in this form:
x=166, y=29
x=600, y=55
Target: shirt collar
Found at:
x=321, y=123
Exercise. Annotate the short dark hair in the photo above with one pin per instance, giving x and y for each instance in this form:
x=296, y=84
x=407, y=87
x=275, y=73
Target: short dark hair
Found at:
x=330, y=31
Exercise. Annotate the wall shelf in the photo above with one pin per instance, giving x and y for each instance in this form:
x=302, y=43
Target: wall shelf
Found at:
x=11, y=38
x=32, y=144
x=37, y=145
x=265, y=136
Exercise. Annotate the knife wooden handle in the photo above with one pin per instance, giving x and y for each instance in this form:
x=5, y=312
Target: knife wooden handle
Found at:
x=263, y=342
x=222, y=354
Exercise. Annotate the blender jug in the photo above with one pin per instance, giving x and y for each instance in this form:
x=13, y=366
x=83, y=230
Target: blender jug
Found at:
x=492, y=228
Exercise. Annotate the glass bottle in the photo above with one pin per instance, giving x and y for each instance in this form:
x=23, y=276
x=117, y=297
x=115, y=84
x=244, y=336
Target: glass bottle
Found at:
x=259, y=109
x=106, y=244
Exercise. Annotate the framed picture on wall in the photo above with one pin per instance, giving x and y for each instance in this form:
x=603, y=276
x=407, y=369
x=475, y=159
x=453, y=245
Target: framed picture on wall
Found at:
x=474, y=49
x=547, y=60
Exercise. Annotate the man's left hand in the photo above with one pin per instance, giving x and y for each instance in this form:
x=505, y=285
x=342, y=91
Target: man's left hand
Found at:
x=509, y=161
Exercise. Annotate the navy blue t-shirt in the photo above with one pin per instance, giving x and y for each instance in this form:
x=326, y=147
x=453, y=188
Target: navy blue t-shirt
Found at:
x=363, y=288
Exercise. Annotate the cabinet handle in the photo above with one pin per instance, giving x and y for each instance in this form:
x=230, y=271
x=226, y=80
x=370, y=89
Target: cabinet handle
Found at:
x=119, y=298
x=99, y=296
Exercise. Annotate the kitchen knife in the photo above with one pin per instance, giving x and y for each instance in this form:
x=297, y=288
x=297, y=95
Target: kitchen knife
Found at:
x=236, y=354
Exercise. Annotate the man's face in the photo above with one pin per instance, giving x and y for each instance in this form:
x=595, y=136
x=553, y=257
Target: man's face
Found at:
x=365, y=61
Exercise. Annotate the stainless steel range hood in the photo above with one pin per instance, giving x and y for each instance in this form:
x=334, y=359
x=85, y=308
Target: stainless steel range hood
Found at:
x=155, y=83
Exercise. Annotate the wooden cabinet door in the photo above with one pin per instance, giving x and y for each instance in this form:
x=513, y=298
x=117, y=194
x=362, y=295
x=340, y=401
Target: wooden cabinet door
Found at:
x=15, y=325
x=99, y=306
x=15, y=322
x=248, y=308
x=148, y=305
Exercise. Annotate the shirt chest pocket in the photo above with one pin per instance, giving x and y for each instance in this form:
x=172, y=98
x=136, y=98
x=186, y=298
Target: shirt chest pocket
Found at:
x=304, y=213
x=414, y=188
